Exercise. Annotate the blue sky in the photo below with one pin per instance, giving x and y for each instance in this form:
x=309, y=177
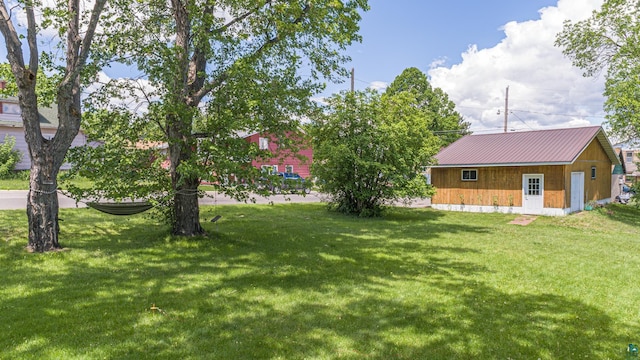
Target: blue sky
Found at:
x=473, y=50
x=409, y=33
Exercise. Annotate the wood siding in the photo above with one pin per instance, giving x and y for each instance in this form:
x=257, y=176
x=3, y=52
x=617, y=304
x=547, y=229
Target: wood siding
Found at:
x=300, y=162
x=21, y=143
x=502, y=185
x=496, y=186
x=594, y=189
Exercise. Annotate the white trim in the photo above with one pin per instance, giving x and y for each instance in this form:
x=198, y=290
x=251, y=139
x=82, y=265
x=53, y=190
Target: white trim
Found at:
x=525, y=188
x=505, y=209
x=469, y=179
x=500, y=165
x=497, y=209
x=478, y=208
x=263, y=143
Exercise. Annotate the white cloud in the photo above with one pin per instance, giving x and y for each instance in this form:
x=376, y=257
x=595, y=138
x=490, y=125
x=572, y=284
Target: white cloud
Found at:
x=135, y=94
x=378, y=85
x=545, y=90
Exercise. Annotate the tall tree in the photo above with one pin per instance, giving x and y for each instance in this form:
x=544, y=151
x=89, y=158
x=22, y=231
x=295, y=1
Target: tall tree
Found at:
x=444, y=121
x=218, y=68
x=370, y=150
x=609, y=41
x=76, y=27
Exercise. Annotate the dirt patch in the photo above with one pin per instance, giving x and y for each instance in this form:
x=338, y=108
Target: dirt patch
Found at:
x=523, y=220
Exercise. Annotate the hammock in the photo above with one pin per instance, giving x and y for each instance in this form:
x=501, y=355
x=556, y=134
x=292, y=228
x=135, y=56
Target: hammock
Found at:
x=121, y=208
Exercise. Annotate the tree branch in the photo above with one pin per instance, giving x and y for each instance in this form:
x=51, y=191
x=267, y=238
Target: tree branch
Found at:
x=206, y=88
x=240, y=18
x=12, y=42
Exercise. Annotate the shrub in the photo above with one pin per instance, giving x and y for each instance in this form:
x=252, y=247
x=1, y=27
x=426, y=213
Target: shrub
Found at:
x=9, y=157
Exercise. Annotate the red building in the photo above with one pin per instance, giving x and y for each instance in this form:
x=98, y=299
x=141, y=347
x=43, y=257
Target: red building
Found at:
x=283, y=160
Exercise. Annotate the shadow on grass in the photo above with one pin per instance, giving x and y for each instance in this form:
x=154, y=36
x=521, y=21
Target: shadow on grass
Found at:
x=257, y=288
x=626, y=214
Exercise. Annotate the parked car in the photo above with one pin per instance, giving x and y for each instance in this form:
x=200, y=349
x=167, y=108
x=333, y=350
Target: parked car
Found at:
x=286, y=182
x=293, y=182
x=626, y=195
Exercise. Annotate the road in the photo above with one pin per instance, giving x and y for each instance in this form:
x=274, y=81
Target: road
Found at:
x=17, y=199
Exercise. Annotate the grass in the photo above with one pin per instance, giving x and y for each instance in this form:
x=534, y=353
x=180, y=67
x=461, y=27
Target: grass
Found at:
x=14, y=184
x=292, y=281
x=21, y=182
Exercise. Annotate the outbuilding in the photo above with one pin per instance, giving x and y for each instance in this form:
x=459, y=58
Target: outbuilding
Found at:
x=546, y=172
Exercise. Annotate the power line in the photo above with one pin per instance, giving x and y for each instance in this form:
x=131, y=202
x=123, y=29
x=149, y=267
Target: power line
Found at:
x=522, y=121
x=552, y=114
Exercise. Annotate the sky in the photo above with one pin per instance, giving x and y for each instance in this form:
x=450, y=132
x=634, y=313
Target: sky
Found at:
x=474, y=50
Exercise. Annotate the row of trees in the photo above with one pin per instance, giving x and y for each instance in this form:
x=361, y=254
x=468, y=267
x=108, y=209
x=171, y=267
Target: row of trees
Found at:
x=214, y=67
x=211, y=70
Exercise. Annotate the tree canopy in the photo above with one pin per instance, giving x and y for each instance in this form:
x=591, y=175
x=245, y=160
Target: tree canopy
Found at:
x=370, y=150
x=608, y=42
x=444, y=120
x=215, y=71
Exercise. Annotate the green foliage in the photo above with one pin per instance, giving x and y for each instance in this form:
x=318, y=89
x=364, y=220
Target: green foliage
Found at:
x=292, y=281
x=45, y=87
x=608, y=41
x=214, y=71
x=9, y=157
x=370, y=150
x=444, y=121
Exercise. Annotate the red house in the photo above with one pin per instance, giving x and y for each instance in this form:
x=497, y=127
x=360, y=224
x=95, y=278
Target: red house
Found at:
x=283, y=160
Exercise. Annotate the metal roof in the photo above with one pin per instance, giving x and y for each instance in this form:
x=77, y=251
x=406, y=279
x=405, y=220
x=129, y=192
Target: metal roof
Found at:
x=542, y=147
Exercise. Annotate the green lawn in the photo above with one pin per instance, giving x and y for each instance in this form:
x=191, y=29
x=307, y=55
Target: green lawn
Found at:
x=14, y=184
x=292, y=281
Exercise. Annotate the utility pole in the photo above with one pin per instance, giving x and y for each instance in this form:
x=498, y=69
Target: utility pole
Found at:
x=506, y=109
x=353, y=79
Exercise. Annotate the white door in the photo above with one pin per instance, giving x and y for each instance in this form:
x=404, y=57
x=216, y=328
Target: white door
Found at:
x=532, y=193
x=577, y=191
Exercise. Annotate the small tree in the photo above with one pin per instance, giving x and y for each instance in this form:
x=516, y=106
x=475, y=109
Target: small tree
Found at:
x=9, y=156
x=370, y=150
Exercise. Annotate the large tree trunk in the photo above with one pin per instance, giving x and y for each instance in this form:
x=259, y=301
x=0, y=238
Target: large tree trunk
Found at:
x=47, y=156
x=42, y=205
x=186, y=211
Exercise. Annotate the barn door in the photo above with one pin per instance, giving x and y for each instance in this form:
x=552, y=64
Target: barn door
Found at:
x=577, y=191
x=532, y=193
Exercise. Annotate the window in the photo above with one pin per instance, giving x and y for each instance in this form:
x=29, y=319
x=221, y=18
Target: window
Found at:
x=263, y=143
x=288, y=169
x=629, y=156
x=269, y=169
x=9, y=108
x=593, y=172
x=533, y=186
x=469, y=175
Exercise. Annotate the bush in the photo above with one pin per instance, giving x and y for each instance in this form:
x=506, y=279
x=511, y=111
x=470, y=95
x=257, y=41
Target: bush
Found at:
x=9, y=157
x=369, y=151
